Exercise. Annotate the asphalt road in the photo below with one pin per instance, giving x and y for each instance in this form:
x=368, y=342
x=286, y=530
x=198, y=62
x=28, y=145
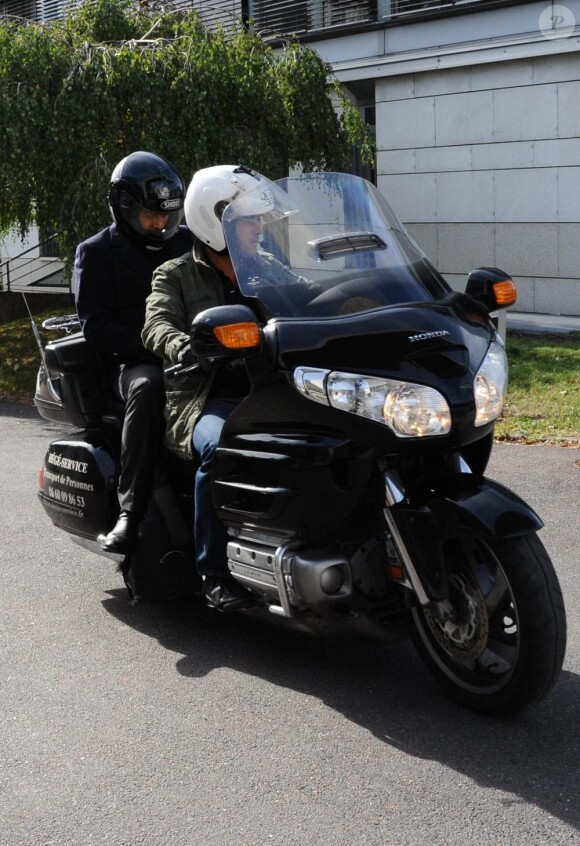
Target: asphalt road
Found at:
x=165, y=725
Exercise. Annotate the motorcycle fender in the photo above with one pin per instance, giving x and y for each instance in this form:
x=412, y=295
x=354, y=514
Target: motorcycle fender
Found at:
x=458, y=505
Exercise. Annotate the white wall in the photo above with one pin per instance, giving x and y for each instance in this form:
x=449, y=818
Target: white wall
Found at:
x=478, y=134
x=483, y=164
x=11, y=245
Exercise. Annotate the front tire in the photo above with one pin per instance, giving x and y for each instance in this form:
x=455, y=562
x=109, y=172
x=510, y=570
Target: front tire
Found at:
x=500, y=645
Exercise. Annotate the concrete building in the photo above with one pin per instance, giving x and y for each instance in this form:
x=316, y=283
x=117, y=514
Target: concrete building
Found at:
x=477, y=113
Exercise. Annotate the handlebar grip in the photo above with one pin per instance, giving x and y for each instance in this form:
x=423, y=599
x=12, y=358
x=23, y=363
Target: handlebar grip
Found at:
x=180, y=370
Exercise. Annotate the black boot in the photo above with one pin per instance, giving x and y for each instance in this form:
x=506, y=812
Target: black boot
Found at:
x=123, y=536
x=225, y=594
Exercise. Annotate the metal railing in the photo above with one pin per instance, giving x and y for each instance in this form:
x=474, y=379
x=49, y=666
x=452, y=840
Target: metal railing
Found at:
x=34, y=270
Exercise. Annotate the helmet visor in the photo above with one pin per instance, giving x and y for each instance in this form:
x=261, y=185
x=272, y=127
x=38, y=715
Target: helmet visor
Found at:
x=264, y=205
x=157, y=220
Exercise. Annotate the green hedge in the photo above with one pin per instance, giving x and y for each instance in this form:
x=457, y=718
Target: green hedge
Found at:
x=79, y=94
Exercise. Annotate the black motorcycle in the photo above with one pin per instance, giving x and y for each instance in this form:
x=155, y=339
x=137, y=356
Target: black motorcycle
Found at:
x=351, y=478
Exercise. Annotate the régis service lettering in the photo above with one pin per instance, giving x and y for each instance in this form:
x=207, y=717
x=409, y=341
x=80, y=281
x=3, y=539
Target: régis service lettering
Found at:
x=64, y=463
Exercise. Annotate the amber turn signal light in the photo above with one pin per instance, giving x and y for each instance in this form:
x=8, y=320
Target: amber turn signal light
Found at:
x=394, y=571
x=505, y=293
x=238, y=336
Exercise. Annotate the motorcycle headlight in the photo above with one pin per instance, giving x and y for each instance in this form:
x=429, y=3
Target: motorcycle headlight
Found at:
x=490, y=385
x=410, y=410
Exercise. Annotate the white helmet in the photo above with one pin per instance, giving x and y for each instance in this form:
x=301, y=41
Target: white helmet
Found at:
x=212, y=189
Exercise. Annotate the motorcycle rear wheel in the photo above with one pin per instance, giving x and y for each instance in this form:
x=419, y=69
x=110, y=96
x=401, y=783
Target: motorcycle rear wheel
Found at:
x=501, y=647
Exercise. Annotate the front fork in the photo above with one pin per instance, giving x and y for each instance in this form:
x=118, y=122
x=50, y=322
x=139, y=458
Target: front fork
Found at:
x=422, y=516
x=394, y=495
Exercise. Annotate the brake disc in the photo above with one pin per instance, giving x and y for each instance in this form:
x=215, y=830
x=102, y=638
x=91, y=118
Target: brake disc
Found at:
x=464, y=632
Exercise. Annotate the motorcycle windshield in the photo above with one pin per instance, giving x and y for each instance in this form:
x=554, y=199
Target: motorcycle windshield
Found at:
x=325, y=245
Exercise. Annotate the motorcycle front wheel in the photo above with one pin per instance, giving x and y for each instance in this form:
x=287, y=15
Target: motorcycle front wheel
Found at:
x=499, y=645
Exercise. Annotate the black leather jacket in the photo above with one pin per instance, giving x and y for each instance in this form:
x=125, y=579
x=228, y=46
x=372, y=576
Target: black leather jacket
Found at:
x=112, y=281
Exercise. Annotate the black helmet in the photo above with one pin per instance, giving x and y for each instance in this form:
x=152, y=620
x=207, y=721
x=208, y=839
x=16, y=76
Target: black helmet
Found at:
x=146, y=182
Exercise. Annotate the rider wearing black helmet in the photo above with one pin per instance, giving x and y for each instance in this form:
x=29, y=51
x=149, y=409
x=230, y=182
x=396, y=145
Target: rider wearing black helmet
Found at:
x=113, y=271
x=144, y=187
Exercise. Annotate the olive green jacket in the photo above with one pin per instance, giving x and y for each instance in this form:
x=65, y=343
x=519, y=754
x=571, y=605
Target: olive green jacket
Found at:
x=181, y=288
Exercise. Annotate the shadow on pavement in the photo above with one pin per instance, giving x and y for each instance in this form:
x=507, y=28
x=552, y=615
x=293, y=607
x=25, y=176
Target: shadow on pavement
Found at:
x=18, y=409
x=385, y=689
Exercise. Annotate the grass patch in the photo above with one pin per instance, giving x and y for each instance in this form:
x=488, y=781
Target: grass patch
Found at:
x=19, y=357
x=543, y=404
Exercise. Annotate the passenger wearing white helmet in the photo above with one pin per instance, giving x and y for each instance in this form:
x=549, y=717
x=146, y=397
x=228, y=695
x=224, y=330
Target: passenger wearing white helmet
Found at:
x=195, y=414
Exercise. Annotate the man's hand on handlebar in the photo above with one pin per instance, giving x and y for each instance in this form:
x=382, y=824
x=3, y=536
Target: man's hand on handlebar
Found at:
x=186, y=357
x=187, y=362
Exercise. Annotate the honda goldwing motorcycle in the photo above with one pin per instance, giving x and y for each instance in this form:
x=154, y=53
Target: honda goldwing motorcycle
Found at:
x=351, y=477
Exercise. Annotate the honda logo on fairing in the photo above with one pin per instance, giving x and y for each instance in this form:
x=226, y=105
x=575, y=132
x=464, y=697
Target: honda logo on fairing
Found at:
x=426, y=336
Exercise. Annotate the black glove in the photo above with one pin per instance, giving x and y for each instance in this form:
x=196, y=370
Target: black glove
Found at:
x=186, y=357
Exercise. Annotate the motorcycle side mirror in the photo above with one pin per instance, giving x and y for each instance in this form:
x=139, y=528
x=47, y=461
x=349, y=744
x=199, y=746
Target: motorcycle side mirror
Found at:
x=225, y=332
x=492, y=288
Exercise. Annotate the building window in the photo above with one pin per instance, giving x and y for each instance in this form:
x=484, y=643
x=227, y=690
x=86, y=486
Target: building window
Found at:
x=288, y=17
x=279, y=18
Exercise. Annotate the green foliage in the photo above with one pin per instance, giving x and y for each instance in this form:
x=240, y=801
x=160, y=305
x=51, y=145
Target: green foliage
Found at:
x=79, y=94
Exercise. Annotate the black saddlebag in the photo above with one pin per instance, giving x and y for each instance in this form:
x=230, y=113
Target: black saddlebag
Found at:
x=72, y=388
x=78, y=483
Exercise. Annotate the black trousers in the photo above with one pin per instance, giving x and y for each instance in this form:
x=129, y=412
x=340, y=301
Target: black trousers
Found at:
x=141, y=389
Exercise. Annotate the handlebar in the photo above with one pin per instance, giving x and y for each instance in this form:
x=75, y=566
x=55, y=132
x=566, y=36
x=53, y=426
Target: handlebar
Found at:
x=66, y=322
x=179, y=370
